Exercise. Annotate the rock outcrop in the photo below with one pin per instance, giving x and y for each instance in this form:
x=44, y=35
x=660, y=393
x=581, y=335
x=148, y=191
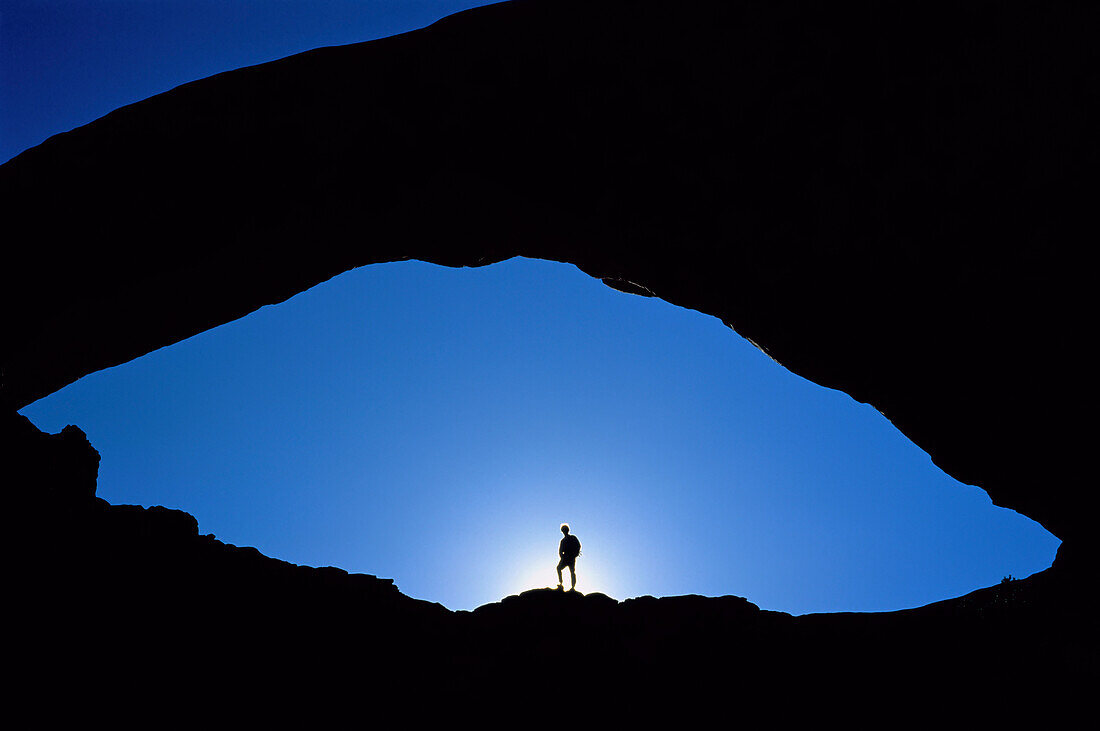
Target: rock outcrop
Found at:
x=120, y=597
x=892, y=199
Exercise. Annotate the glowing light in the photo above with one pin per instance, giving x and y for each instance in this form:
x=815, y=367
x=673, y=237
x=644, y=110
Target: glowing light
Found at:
x=536, y=570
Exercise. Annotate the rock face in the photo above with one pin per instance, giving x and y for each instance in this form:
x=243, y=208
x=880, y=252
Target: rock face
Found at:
x=888, y=198
x=117, y=598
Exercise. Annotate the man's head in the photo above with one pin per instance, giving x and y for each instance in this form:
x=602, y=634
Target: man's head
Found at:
x=565, y=528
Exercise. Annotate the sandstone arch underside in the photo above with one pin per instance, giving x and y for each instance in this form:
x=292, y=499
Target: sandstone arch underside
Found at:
x=888, y=200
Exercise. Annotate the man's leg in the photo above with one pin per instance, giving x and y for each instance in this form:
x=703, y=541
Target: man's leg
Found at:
x=573, y=576
x=559, y=573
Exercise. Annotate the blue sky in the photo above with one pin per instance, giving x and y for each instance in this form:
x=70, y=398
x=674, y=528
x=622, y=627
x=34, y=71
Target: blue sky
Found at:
x=435, y=425
x=64, y=63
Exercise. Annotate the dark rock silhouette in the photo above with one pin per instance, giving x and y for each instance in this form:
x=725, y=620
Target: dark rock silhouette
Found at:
x=888, y=198
x=116, y=595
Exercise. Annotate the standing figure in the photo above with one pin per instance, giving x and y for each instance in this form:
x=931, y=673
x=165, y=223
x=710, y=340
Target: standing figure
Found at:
x=568, y=550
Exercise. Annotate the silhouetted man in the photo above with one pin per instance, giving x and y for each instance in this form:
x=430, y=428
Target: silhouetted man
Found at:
x=568, y=550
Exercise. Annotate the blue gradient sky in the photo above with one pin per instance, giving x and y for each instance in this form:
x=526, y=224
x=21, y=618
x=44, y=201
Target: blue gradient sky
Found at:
x=64, y=63
x=435, y=425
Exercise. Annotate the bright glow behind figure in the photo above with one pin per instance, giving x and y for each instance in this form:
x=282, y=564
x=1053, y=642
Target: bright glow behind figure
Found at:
x=534, y=569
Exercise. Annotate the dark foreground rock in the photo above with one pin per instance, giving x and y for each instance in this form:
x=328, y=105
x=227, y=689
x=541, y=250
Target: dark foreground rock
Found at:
x=131, y=603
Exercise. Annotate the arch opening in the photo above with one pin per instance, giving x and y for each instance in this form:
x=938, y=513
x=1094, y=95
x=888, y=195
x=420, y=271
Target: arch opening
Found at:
x=436, y=425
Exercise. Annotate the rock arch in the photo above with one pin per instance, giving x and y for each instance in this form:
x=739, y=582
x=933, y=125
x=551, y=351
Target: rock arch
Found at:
x=888, y=201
